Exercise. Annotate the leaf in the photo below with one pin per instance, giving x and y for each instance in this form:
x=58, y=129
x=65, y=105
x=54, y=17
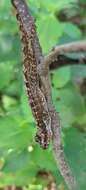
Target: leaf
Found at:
x=49, y=31
x=69, y=107
x=9, y=102
x=50, y=5
x=16, y=161
x=61, y=77
x=13, y=135
x=75, y=149
x=10, y=48
x=72, y=30
x=78, y=72
x=5, y=74
x=2, y=162
x=25, y=106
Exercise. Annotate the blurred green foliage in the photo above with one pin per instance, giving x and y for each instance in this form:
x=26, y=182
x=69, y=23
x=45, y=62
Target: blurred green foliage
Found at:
x=20, y=157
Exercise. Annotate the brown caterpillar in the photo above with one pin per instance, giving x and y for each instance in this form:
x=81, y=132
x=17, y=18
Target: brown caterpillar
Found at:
x=32, y=53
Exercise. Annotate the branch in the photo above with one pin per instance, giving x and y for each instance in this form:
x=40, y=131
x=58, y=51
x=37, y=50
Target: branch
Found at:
x=56, y=139
x=43, y=70
x=66, y=48
x=59, y=152
x=63, y=60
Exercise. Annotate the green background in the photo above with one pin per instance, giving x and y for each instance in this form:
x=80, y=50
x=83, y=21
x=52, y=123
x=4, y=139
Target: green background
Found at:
x=20, y=157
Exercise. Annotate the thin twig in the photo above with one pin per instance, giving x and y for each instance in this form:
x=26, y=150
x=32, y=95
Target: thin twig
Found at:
x=59, y=152
x=79, y=46
x=56, y=129
x=64, y=61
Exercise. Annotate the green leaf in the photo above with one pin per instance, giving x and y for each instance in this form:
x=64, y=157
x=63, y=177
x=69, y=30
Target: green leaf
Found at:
x=15, y=134
x=78, y=72
x=72, y=31
x=69, y=107
x=5, y=74
x=49, y=30
x=61, y=77
x=75, y=149
x=10, y=48
x=16, y=161
x=25, y=107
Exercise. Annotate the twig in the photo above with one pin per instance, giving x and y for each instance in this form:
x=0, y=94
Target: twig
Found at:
x=56, y=129
x=43, y=71
x=59, y=152
x=64, y=61
x=79, y=46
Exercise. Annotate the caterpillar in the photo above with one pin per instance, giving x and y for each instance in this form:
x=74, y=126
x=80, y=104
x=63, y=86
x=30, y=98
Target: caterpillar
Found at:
x=31, y=57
